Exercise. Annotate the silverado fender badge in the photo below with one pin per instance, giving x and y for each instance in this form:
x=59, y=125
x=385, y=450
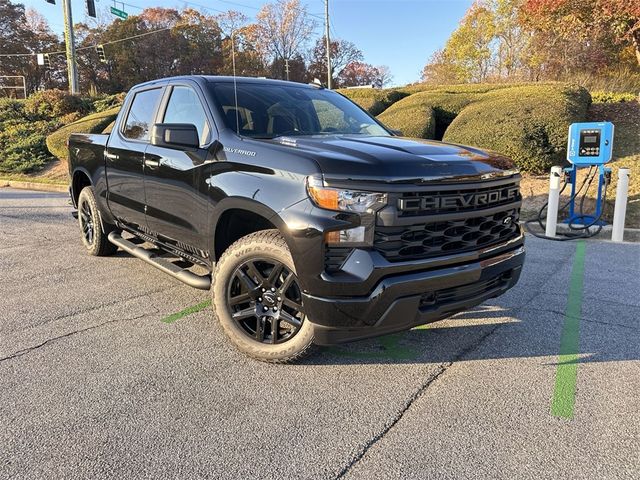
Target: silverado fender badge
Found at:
x=240, y=151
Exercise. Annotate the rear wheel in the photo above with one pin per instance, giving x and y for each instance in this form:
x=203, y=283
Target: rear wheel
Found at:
x=258, y=299
x=94, y=237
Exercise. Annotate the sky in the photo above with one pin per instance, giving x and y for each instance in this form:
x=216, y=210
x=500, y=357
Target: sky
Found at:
x=401, y=34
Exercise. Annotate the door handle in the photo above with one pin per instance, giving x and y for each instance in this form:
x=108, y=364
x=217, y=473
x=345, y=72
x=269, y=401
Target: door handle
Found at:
x=151, y=163
x=112, y=156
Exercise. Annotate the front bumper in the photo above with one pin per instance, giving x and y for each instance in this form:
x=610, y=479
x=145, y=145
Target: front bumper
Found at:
x=402, y=301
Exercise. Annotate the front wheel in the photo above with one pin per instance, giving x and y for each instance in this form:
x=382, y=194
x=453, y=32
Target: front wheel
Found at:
x=258, y=300
x=94, y=237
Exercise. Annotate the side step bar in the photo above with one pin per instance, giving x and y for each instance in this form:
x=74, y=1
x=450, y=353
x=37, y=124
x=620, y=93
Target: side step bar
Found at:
x=202, y=282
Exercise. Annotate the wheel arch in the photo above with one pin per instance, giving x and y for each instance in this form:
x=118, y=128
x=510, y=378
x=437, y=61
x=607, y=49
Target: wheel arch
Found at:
x=237, y=217
x=79, y=180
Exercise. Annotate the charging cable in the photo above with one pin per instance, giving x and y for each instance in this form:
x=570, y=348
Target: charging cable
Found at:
x=578, y=231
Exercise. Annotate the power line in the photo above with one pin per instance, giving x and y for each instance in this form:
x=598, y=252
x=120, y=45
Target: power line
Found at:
x=87, y=47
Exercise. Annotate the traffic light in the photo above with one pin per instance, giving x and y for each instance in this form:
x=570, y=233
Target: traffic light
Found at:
x=91, y=8
x=47, y=61
x=52, y=2
x=101, y=55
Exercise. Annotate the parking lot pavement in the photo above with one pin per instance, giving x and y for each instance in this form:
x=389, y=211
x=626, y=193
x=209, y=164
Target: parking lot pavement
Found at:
x=94, y=384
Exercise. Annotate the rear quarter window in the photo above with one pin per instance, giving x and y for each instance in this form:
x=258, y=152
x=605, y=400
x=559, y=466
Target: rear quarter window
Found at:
x=141, y=114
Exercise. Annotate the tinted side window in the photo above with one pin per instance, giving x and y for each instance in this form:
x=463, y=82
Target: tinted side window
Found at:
x=141, y=113
x=185, y=107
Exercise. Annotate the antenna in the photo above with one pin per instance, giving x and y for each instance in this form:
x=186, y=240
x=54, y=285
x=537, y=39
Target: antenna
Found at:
x=235, y=85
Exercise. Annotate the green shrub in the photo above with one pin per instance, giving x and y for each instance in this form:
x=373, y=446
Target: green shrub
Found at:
x=372, y=100
x=11, y=109
x=600, y=96
x=527, y=123
x=94, y=123
x=51, y=104
x=106, y=102
x=22, y=145
x=413, y=116
x=446, y=104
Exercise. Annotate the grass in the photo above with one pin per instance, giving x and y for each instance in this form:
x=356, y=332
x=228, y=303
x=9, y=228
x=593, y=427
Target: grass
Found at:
x=18, y=177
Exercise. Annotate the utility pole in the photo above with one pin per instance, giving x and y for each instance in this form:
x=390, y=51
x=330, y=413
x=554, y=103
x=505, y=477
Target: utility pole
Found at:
x=326, y=35
x=69, y=41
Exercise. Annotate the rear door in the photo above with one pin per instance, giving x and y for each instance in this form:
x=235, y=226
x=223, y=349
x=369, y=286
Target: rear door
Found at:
x=125, y=157
x=175, y=190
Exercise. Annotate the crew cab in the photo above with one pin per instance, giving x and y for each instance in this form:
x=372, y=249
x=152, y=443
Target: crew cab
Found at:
x=310, y=221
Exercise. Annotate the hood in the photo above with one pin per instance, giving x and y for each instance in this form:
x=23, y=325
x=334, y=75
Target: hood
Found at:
x=397, y=159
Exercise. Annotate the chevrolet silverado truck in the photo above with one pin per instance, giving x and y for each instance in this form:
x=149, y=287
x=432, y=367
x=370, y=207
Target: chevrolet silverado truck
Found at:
x=310, y=221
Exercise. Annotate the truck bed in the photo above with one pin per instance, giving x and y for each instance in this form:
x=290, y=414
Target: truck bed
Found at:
x=87, y=150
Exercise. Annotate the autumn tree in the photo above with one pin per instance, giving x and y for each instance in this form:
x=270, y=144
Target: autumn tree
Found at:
x=28, y=32
x=357, y=74
x=490, y=43
x=384, y=77
x=173, y=43
x=442, y=69
x=583, y=35
x=343, y=53
x=283, y=28
x=240, y=48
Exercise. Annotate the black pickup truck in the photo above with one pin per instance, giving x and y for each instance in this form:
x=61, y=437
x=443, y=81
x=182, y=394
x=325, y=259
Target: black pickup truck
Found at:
x=309, y=220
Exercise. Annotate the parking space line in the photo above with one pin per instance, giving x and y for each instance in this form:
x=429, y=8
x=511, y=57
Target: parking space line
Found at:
x=187, y=311
x=564, y=394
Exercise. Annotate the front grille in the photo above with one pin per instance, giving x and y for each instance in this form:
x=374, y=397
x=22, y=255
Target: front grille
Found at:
x=463, y=292
x=463, y=200
x=432, y=239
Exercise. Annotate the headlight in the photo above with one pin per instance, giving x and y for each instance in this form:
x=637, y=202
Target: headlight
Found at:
x=344, y=200
x=363, y=203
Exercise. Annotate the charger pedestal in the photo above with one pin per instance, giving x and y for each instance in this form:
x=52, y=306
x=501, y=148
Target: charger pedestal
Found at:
x=580, y=219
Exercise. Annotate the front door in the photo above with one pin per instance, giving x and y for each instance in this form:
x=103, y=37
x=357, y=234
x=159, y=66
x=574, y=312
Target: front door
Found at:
x=176, y=193
x=125, y=157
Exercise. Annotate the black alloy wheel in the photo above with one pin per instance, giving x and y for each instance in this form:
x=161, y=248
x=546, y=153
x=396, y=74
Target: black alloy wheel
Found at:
x=266, y=301
x=87, y=222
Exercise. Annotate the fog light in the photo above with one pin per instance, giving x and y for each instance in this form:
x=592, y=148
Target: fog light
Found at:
x=350, y=236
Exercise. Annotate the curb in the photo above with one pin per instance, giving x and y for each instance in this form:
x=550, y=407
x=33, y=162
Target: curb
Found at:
x=41, y=187
x=631, y=235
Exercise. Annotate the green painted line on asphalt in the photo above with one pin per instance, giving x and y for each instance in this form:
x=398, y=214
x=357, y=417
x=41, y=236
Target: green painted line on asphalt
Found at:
x=564, y=394
x=187, y=311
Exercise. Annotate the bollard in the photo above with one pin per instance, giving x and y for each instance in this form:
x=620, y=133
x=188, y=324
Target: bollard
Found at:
x=620, y=209
x=554, y=200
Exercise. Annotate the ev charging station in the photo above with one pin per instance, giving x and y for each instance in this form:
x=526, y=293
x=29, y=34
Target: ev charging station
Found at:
x=589, y=145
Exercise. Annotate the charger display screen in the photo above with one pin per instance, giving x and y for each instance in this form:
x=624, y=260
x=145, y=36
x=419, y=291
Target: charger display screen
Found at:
x=590, y=143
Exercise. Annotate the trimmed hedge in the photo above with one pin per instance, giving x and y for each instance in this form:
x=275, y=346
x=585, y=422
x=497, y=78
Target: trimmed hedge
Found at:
x=527, y=123
x=457, y=88
x=427, y=114
x=413, y=116
x=372, y=100
x=94, y=123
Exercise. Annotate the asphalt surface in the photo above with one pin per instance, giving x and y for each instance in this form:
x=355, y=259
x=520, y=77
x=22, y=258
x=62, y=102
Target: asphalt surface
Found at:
x=93, y=384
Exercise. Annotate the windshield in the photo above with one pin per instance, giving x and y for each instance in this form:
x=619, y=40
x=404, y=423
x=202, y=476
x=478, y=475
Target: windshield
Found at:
x=269, y=111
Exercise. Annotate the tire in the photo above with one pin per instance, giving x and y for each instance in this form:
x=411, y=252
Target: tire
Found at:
x=248, y=271
x=94, y=237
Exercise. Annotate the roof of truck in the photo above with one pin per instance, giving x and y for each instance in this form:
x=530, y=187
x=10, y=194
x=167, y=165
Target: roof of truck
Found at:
x=228, y=79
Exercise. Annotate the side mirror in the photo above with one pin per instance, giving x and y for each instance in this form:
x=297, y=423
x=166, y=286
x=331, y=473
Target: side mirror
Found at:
x=396, y=133
x=175, y=135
